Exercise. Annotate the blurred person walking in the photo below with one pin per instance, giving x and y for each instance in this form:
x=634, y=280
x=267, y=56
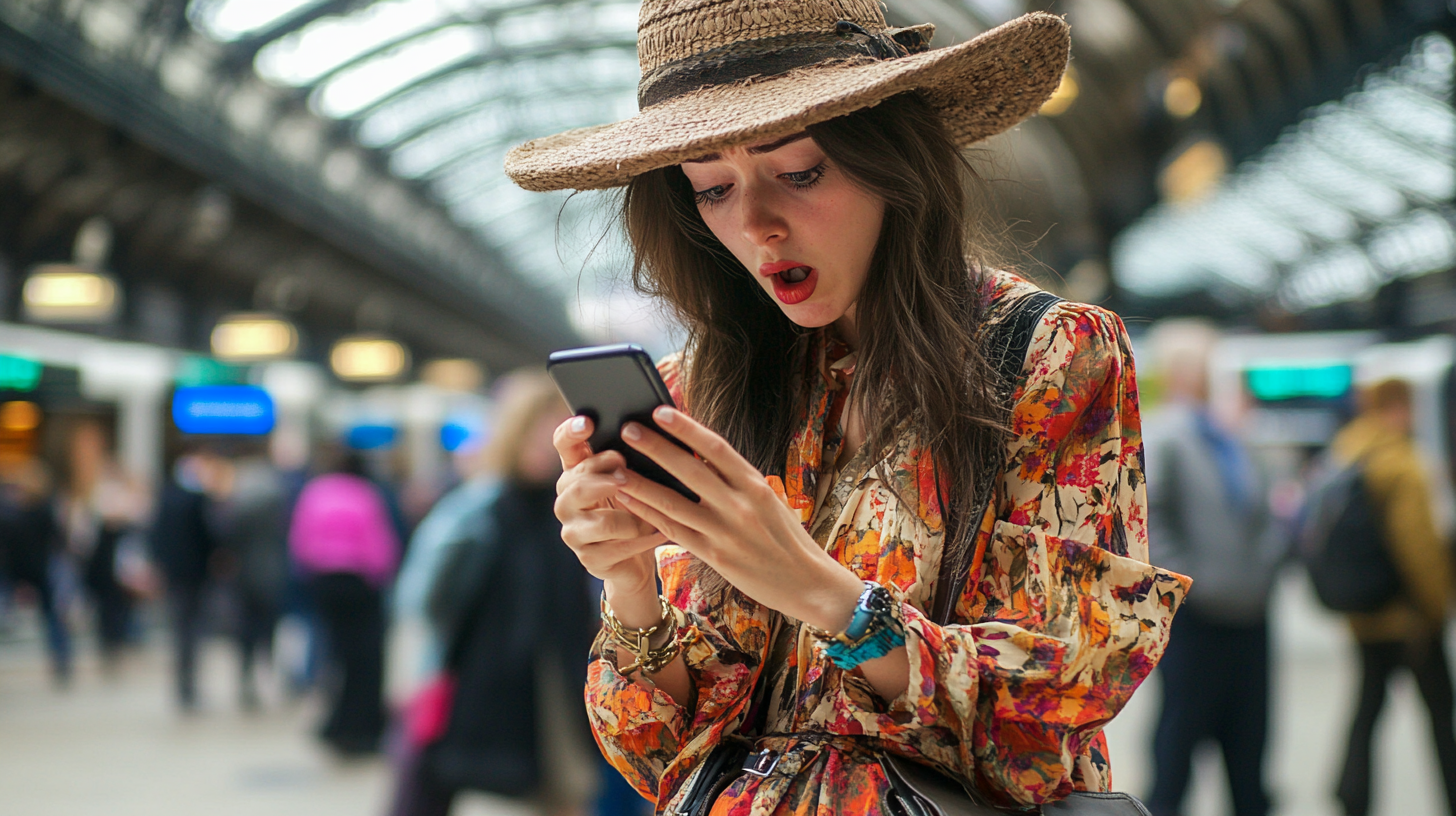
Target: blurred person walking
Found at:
x=251, y=532
x=1409, y=632
x=342, y=535
x=99, y=505
x=182, y=547
x=511, y=608
x=1208, y=518
x=30, y=544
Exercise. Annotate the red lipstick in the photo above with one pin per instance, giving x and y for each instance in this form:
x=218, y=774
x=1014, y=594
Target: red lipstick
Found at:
x=794, y=282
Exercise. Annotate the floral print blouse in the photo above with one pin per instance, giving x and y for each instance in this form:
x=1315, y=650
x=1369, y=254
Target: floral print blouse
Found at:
x=1058, y=624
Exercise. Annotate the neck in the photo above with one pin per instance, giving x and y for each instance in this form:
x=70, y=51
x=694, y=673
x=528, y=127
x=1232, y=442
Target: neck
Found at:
x=848, y=329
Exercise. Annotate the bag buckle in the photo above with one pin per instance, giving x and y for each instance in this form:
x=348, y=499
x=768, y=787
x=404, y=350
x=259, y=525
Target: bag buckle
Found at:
x=762, y=763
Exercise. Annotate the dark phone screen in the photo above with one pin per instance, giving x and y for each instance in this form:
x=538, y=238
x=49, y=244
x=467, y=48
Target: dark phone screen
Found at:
x=613, y=385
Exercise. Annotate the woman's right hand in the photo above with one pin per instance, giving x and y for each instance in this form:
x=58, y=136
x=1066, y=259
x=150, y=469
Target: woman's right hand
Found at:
x=613, y=544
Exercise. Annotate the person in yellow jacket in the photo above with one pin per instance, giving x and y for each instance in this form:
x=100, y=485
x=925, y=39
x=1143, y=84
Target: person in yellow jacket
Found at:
x=1409, y=630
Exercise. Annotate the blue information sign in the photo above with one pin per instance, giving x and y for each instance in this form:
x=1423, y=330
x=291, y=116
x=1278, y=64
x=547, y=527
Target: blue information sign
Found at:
x=223, y=409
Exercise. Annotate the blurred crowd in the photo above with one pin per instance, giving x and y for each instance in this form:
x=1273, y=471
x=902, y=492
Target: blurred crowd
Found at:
x=486, y=694
x=449, y=632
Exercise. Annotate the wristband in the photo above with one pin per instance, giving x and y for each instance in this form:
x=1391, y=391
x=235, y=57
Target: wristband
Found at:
x=876, y=628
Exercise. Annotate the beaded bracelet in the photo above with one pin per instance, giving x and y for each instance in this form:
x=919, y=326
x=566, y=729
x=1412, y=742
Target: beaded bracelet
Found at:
x=876, y=628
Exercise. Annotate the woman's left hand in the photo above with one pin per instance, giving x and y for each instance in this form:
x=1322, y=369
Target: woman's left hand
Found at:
x=739, y=526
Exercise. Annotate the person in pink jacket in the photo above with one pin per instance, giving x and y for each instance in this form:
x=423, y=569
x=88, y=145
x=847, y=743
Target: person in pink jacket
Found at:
x=342, y=536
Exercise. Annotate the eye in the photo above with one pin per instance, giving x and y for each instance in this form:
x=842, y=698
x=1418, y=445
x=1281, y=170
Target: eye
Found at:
x=712, y=195
x=805, y=179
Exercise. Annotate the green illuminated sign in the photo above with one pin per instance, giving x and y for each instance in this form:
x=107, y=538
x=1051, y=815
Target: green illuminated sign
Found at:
x=19, y=373
x=207, y=371
x=1272, y=383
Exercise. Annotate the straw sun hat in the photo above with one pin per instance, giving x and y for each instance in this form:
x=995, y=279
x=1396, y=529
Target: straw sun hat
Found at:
x=718, y=74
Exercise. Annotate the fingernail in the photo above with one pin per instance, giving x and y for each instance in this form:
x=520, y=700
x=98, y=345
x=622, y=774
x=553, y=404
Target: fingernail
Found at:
x=578, y=425
x=624, y=498
x=631, y=431
x=665, y=415
x=619, y=476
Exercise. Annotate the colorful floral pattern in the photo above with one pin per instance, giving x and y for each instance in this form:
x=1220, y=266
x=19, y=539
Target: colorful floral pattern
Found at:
x=1061, y=621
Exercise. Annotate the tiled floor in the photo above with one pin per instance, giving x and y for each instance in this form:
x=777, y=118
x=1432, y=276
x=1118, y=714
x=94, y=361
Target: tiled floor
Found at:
x=116, y=748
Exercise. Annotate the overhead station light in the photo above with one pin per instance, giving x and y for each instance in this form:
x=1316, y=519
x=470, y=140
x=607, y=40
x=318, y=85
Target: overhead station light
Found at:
x=368, y=358
x=254, y=337
x=1182, y=97
x=19, y=415
x=453, y=374
x=1063, y=97
x=69, y=293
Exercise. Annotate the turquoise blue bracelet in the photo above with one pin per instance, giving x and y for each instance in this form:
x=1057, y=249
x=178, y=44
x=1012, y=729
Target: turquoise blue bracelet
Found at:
x=875, y=629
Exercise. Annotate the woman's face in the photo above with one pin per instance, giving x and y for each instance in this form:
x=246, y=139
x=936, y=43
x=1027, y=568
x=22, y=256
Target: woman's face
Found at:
x=796, y=221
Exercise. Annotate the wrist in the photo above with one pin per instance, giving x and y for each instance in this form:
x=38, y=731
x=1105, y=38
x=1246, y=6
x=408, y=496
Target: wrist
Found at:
x=832, y=607
x=636, y=608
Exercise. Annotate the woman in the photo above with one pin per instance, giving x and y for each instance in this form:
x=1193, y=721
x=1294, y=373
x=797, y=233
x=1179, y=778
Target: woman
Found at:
x=342, y=536
x=794, y=194
x=511, y=611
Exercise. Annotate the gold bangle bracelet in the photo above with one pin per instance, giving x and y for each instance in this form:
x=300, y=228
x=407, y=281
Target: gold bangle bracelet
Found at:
x=638, y=641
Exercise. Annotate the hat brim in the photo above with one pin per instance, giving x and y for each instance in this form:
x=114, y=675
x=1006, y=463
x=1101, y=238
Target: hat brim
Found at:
x=981, y=87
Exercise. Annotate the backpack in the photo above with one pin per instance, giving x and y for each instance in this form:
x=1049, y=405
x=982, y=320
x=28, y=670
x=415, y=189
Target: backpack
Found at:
x=1341, y=541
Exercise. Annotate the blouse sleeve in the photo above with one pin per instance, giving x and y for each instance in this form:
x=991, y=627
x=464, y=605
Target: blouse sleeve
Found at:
x=1065, y=617
x=642, y=731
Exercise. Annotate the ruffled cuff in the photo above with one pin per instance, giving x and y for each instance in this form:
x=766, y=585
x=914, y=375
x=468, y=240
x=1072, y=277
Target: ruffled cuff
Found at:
x=623, y=706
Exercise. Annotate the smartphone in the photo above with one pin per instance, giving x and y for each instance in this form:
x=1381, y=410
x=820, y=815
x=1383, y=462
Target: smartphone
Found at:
x=613, y=385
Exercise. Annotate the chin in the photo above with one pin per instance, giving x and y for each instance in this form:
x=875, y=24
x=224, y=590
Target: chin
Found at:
x=811, y=315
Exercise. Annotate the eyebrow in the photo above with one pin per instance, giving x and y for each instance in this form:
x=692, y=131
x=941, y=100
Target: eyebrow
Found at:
x=756, y=150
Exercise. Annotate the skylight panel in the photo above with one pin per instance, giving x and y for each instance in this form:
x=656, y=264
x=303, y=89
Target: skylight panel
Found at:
x=229, y=20
x=377, y=78
x=307, y=55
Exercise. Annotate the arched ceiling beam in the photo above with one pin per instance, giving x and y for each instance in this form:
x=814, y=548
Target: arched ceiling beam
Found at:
x=494, y=58
x=509, y=97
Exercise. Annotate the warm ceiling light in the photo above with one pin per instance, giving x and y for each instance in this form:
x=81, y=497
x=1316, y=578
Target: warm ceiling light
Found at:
x=67, y=293
x=1195, y=173
x=368, y=358
x=453, y=375
x=19, y=416
x=1063, y=97
x=254, y=337
x=1182, y=98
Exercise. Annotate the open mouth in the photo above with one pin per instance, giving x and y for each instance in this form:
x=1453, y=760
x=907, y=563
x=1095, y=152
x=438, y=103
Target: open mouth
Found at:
x=796, y=275
x=795, y=284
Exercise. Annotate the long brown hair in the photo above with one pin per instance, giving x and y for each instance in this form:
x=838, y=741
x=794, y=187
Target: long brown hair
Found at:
x=919, y=316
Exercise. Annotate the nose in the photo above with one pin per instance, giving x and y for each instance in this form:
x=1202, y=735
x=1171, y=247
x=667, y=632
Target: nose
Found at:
x=763, y=223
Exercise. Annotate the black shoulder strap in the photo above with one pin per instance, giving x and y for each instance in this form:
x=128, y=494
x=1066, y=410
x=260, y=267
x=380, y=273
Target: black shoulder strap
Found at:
x=1007, y=342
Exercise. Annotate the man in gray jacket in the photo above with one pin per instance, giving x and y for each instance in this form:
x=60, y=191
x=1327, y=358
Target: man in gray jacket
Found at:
x=1208, y=519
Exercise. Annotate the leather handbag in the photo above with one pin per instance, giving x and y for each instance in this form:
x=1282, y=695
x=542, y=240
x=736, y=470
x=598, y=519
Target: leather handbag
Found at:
x=916, y=790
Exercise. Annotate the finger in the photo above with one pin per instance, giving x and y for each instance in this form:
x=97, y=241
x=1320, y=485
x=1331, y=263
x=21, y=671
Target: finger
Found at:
x=570, y=440
x=674, y=515
x=596, y=526
x=584, y=492
x=691, y=471
x=604, y=555
x=714, y=449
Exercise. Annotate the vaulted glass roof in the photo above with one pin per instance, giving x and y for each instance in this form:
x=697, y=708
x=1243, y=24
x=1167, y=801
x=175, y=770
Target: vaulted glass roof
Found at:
x=443, y=88
x=1355, y=195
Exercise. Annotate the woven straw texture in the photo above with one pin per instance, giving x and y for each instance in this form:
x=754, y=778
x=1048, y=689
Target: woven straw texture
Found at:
x=982, y=87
